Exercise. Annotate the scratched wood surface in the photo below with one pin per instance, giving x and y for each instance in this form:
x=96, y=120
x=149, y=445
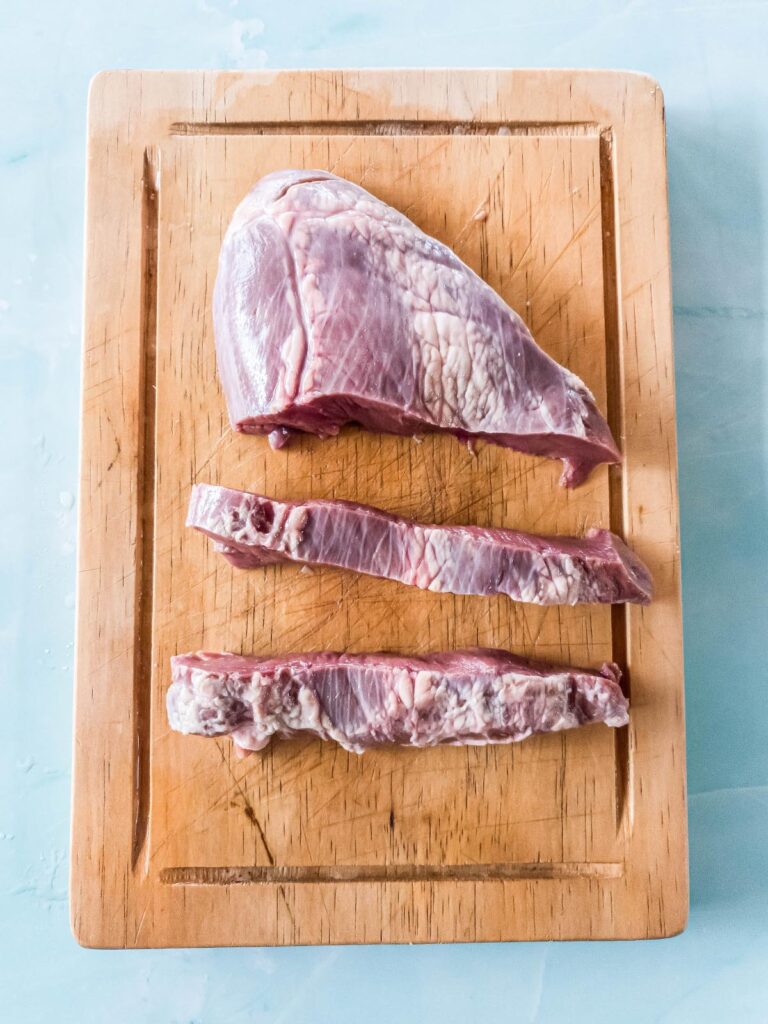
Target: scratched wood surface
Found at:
x=551, y=185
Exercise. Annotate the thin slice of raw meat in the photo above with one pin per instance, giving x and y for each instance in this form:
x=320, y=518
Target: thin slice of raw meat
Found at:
x=331, y=307
x=251, y=530
x=371, y=700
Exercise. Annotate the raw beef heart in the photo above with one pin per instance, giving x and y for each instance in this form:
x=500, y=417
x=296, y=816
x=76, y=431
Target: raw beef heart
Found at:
x=331, y=307
x=371, y=700
x=251, y=530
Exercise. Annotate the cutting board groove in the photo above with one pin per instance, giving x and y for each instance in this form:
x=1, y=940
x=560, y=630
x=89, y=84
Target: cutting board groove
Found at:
x=551, y=839
x=387, y=873
x=145, y=495
x=376, y=128
x=615, y=416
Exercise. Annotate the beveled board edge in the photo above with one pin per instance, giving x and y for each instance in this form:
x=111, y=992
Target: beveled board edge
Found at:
x=130, y=113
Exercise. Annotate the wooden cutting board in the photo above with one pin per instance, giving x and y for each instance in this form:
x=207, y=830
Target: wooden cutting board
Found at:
x=552, y=186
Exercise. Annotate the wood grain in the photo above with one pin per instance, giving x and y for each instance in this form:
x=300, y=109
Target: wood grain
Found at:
x=573, y=836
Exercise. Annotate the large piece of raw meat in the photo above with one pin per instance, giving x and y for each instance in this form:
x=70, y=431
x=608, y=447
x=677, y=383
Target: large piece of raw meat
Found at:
x=252, y=530
x=371, y=700
x=331, y=307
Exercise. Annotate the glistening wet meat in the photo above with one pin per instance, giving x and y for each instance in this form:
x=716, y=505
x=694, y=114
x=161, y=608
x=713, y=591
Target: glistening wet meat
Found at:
x=252, y=530
x=363, y=701
x=332, y=307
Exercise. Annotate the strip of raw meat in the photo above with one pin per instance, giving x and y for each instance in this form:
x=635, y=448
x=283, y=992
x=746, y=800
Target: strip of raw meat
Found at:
x=251, y=530
x=370, y=700
x=331, y=307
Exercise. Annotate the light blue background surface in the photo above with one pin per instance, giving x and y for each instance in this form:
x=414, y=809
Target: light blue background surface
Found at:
x=712, y=61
